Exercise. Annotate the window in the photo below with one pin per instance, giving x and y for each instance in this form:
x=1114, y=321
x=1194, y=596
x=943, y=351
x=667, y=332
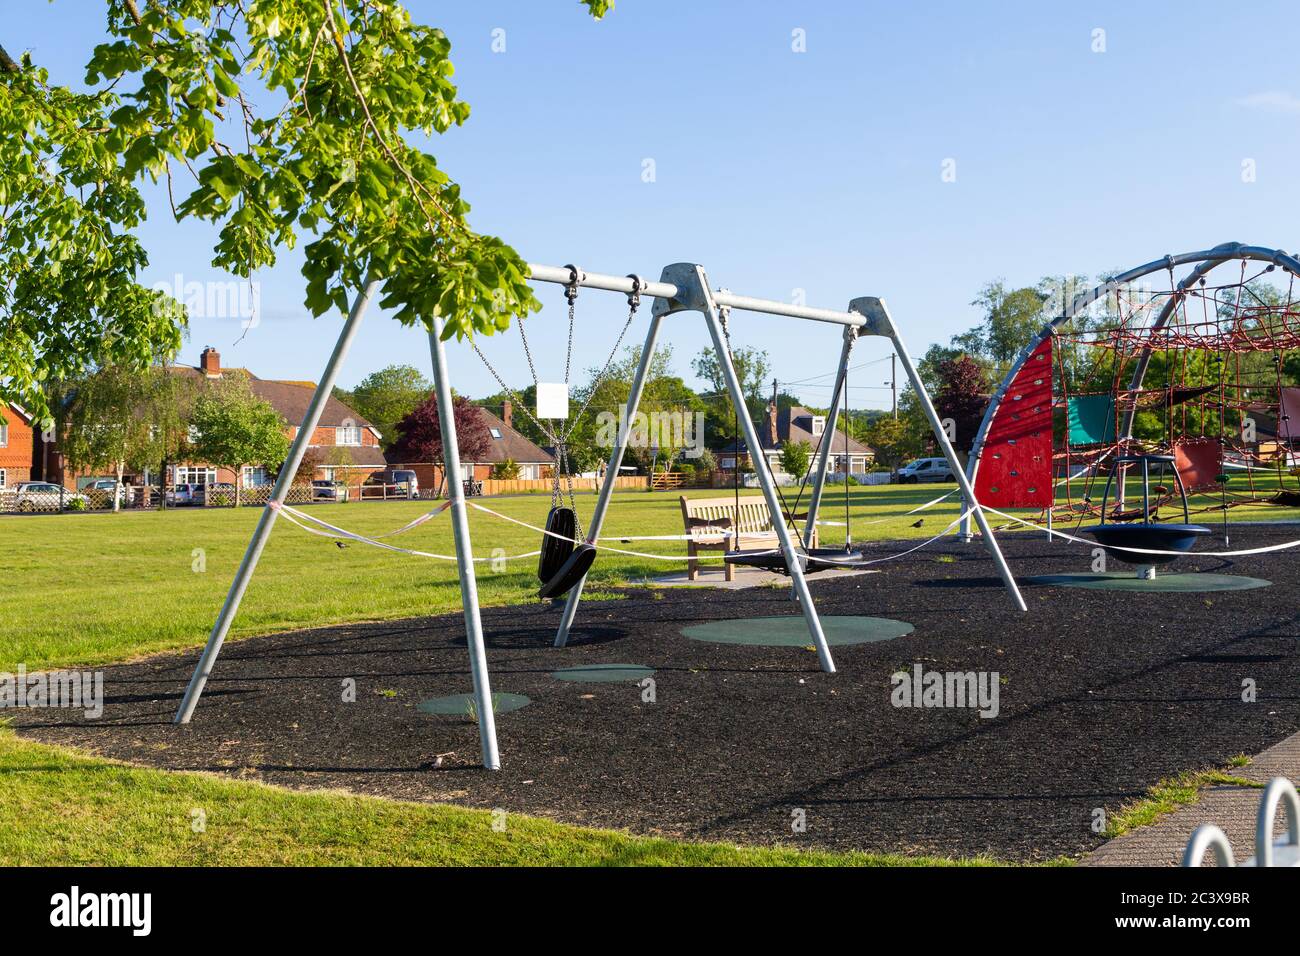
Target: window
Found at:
x=252, y=477
x=726, y=464
x=347, y=435
x=496, y=433
x=195, y=475
x=530, y=472
x=818, y=424
x=4, y=477
x=4, y=435
x=327, y=474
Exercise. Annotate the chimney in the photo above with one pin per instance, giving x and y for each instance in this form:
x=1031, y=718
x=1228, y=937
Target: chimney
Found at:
x=508, y=414
x=773, y=435
x=210, y=362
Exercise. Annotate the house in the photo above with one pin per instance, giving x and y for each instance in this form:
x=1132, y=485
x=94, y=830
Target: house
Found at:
x=18, y=440
x=507, y=445
x=797, y=424
x=344, y=447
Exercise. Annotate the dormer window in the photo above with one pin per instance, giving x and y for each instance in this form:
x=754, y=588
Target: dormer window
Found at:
x=347, y=435
x=818, y=424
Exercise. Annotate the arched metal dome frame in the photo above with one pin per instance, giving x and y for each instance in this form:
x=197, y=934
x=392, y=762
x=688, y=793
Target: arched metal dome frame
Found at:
x=1203, y=261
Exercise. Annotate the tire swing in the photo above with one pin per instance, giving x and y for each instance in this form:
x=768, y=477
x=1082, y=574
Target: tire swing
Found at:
x=565, y=557
x=812, y=560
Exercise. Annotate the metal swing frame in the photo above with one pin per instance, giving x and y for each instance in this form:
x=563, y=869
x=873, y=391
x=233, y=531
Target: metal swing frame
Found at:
x=682, y=287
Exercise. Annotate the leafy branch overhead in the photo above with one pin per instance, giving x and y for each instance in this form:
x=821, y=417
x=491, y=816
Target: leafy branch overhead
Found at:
x=294, y=121
x=281, y=122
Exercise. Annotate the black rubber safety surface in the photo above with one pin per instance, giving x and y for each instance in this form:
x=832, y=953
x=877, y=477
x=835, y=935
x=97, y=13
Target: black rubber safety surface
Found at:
x=1100, y=695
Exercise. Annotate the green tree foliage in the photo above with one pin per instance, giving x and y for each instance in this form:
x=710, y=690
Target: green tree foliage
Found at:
x=796, y=456
x=290, y=121
x=294, y=116
x=894, y=440
x=69, y=296
x=119, y=417
x=1011, y=319
x=232, y=427
x=385, y=397
x=754, y=370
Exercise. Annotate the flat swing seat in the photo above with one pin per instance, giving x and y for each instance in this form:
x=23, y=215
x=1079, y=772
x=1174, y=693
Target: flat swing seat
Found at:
x=814, y=560
x=570, y=573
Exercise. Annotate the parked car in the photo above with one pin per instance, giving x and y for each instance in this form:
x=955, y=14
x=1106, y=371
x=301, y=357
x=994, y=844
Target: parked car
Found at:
x=924, y=469
x=406, y=482
x=217, y=494
x=32, y=496
x=322, y=489
x=182, y=494
x=105, y=488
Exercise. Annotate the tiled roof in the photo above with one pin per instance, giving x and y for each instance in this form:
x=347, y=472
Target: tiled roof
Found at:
x=290, y=399
x=512, y=445
x=795, y=424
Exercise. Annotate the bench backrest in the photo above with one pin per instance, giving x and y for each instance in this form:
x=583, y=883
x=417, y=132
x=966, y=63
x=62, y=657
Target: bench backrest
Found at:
x=753, y=517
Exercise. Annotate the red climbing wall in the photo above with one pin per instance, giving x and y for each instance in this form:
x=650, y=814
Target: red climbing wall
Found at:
x=1015, y=469
x=1199, y=461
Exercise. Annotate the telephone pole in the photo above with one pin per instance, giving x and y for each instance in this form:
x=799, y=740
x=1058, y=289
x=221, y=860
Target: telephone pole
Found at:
x=893, y=381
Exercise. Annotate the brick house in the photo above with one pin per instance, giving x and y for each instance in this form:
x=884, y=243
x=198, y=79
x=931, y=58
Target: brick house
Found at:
x=344, y=445
x=798, y=424
x=507, y=445
x=18, y=440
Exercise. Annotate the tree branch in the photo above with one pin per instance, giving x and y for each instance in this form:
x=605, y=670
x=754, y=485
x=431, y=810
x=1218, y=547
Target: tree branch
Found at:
x=7, y=64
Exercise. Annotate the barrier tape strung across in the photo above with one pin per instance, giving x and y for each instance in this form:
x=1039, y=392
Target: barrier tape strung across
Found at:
x=302, y=519
x=1111, y=547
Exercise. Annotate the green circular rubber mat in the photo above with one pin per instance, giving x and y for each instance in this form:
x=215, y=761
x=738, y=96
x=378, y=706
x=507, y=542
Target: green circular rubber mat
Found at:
x=460, y=705
x=1191, y=582
x=791, y=631
x=603, y=673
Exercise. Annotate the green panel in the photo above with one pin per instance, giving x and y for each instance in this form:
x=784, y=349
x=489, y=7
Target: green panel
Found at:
x=791, y=631
x=1190, y=582
x=459, y=705
x=1092, y=419
x=603, y=673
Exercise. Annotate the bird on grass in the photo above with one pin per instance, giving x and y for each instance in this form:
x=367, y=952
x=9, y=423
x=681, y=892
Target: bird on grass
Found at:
x=341, y=545
x=918, y=522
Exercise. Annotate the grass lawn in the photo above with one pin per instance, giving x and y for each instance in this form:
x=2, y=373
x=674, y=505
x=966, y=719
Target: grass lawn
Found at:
x=113, y=587
x=62, y=809
x=92, y=589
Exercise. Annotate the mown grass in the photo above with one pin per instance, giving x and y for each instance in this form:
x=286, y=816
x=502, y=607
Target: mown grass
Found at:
x=98, y=588
x=1169, y=794
x=59, y=808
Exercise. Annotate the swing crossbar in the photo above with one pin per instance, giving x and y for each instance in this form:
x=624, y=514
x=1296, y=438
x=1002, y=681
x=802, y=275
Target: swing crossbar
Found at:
x=561, y=275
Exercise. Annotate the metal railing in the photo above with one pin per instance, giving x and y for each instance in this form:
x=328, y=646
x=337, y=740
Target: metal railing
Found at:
x=1268, y=852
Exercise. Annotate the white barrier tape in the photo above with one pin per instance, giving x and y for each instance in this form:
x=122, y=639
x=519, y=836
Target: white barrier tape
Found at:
x=334, y=532
x=1113, y=547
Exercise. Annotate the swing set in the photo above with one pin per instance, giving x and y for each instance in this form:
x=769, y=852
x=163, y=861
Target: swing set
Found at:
x=565, y=553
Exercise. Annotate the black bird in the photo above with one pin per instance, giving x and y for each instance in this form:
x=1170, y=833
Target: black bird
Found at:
x=918, y=522
x=340, y=544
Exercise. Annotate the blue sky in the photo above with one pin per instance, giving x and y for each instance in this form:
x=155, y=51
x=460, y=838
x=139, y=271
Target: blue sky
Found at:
x=818, y=170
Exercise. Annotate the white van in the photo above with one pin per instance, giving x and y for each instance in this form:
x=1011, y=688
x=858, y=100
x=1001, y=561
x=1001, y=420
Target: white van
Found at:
x=924, y=469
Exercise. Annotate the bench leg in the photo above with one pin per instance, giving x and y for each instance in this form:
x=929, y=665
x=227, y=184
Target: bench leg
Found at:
x=692, y=565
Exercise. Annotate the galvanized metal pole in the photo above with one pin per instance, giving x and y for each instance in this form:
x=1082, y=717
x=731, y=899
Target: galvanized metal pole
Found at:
x=487, y=729
x=267, y=520
x=611, y=472
x=828, y=436
x=880, y=322
x=703, y=298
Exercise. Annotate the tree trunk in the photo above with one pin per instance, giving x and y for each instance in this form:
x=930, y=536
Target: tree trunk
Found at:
x=239, y=480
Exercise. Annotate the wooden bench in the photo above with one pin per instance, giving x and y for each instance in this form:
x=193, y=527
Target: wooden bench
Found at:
x=714, y=525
